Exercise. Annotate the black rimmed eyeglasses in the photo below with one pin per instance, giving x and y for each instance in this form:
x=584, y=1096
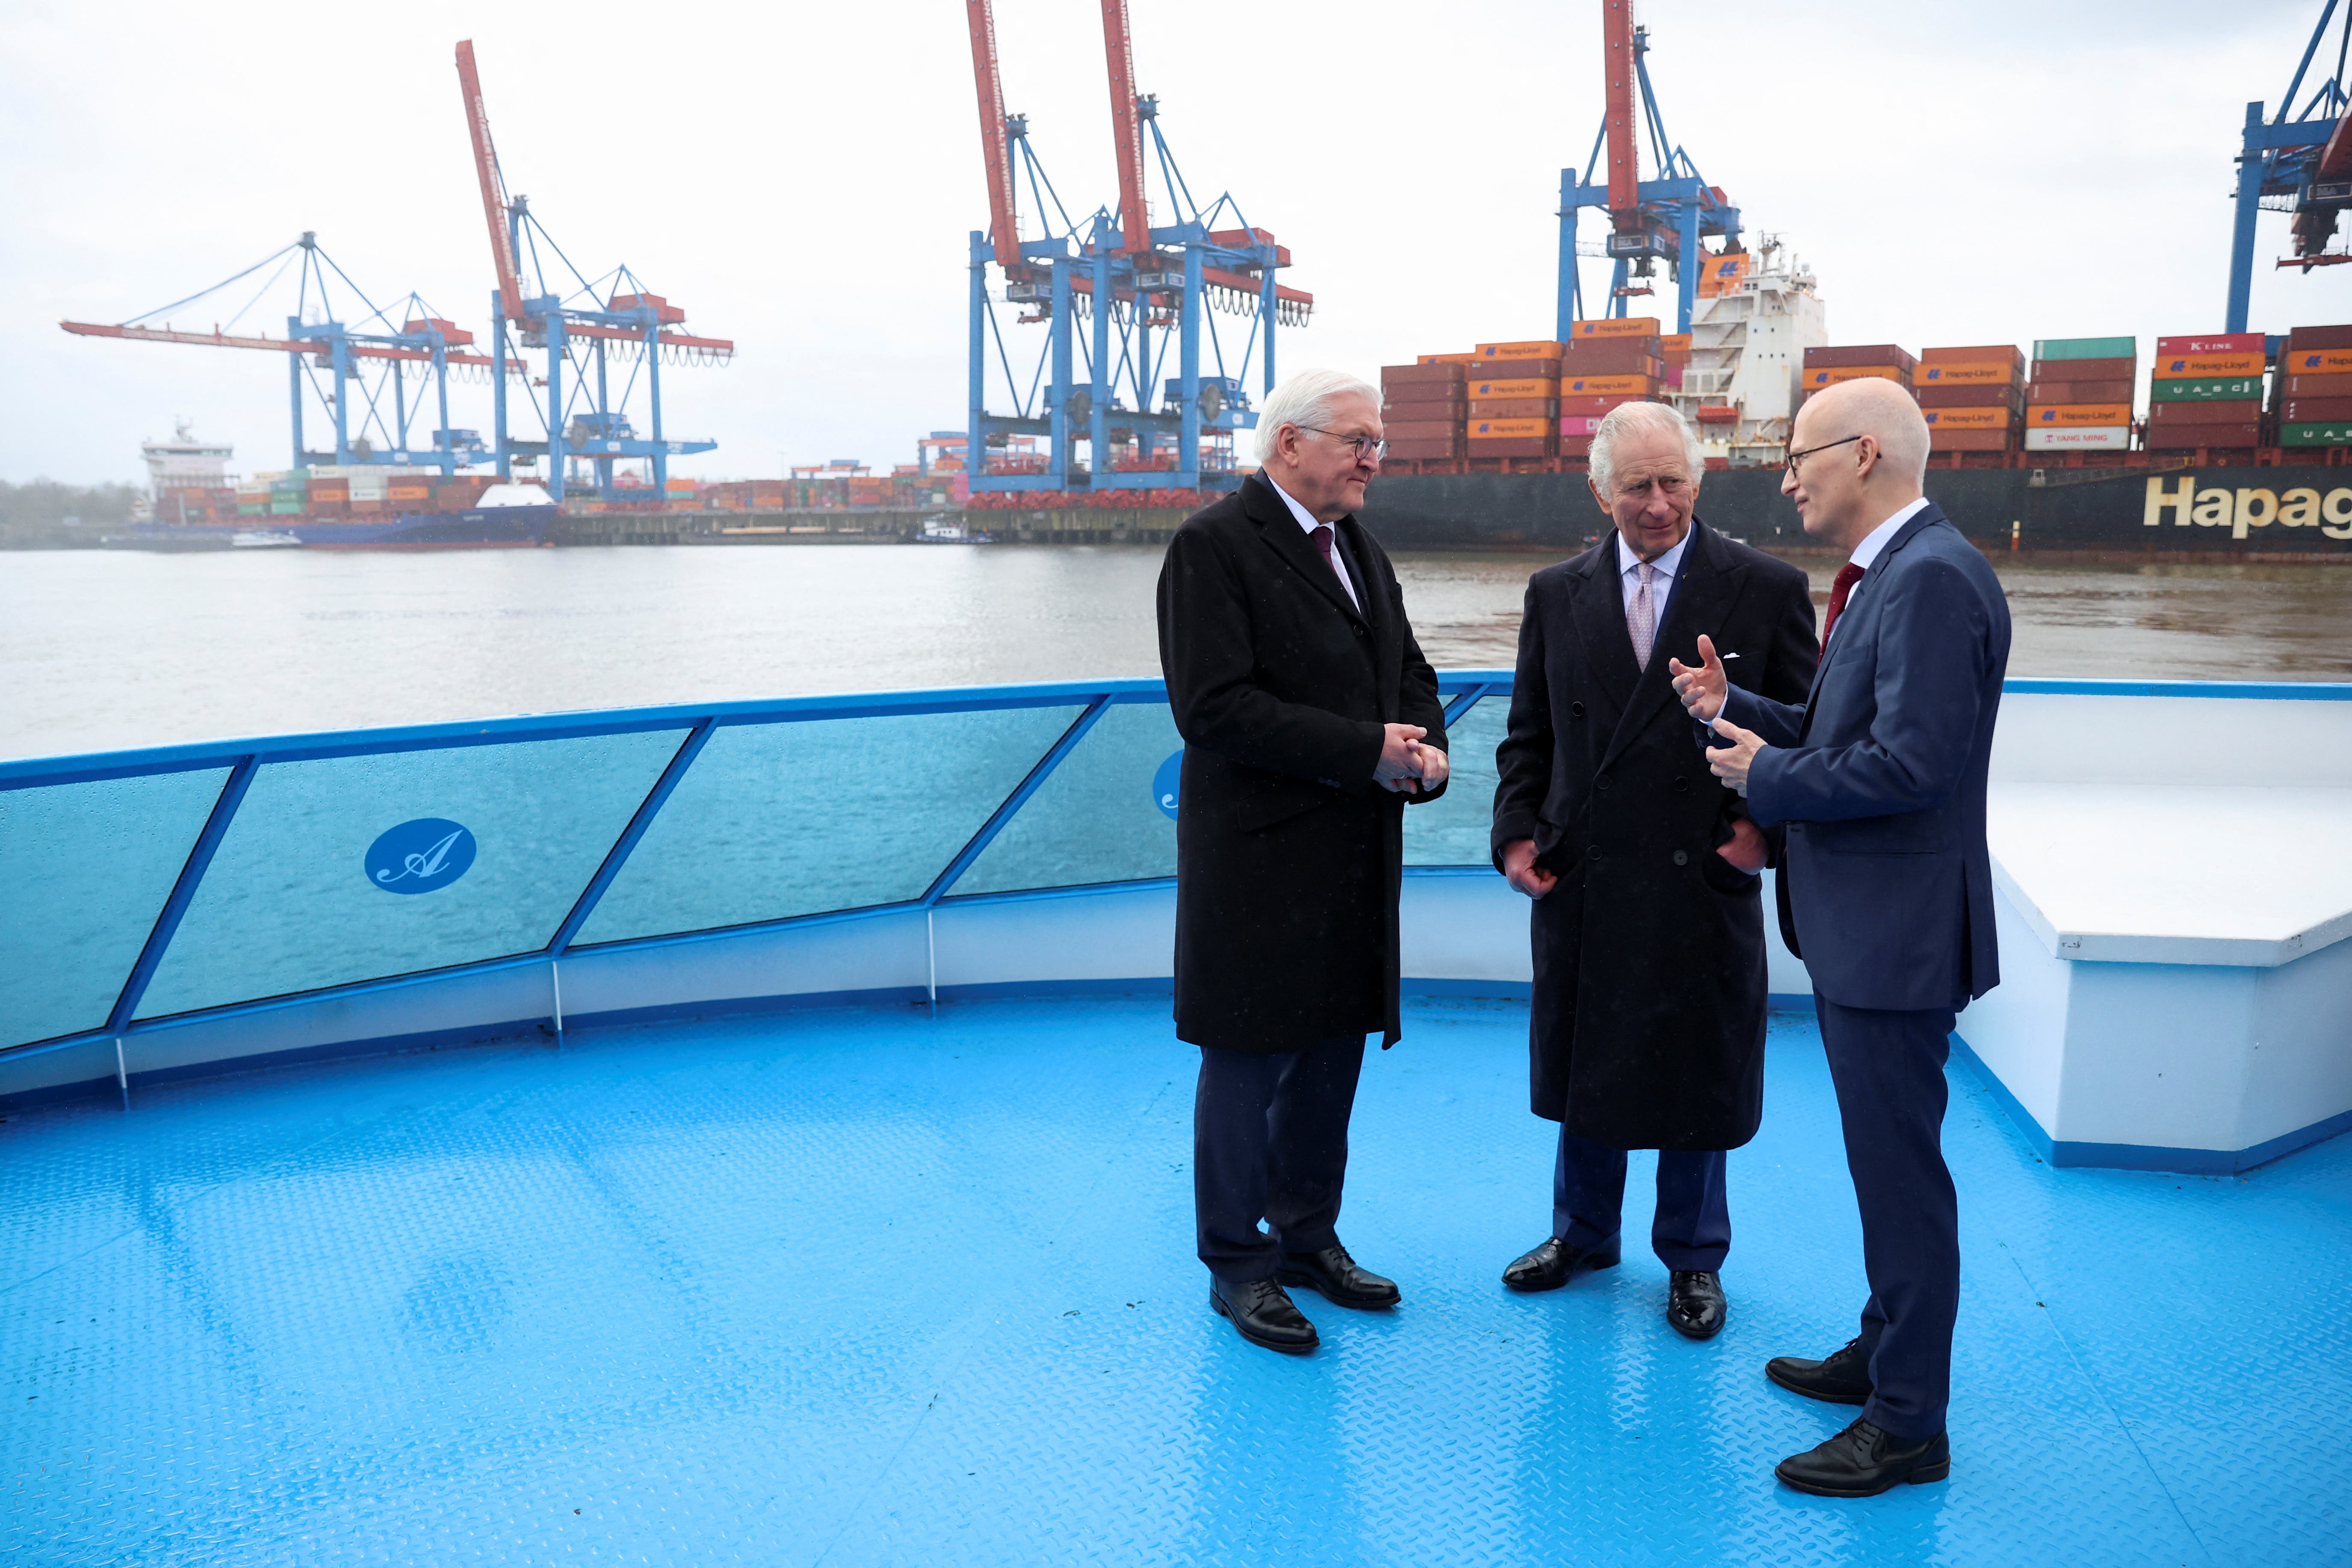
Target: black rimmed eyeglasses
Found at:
x=1796, y=458
x=1371, y=446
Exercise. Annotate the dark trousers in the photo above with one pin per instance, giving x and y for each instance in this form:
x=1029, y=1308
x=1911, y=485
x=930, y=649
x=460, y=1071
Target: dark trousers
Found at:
x=1691, y=1226
x=1270, y=1143
x=1888, y=1067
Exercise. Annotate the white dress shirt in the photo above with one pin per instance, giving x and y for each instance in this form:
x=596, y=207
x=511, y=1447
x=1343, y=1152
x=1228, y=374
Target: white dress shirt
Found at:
x=1873, y=545
x=1662, y=571
x=1310, y=523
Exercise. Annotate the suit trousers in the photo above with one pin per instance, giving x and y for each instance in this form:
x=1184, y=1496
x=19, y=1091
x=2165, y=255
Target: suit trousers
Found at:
x=1270, y=1143
x=1692, y=1225
x=1888, y=1067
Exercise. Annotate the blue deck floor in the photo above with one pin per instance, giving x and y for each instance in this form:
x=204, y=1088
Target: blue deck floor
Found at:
x=867, y=1288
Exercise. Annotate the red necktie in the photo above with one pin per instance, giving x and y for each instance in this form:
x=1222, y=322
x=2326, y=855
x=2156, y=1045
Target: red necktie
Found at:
x=1848, y=575
x=1322, y=537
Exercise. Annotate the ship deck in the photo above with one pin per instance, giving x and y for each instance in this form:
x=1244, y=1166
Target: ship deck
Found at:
x=880, y=1286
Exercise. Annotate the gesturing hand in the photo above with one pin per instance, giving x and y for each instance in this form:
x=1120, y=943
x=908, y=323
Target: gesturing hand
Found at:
x=1703, y=689
x=1399, y=769
x=1731, y=762
x=1520, y=868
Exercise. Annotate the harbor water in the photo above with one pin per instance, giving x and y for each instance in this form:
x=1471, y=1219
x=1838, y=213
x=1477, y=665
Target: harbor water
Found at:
x=107, y=650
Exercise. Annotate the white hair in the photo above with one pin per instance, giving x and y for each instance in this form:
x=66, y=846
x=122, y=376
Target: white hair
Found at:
x=1656, y=418
x=1304, y=399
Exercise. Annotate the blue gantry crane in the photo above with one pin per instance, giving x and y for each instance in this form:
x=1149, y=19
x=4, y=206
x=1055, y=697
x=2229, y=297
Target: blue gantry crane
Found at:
x=372, y=374
x=2299, y=163
x=583, y=330
x=1121, y=298
x=1649, y=220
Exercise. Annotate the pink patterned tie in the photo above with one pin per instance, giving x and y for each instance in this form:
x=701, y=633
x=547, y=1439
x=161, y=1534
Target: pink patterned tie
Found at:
x=1641, y=617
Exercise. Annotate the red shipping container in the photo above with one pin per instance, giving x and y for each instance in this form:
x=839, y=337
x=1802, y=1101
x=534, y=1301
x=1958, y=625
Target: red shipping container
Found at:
x=1518, y=370
x=1987, y=354
x=1612, y=356
x=1993, y=396
x=2319, y=338
x=2319, y=387
x=2181, y=438
x=2316, y=410
x=1940, y=440
x=1414, y=374
x=1516, y=447
x=1576, y=445
x=1424, y=450
x=1846, y=356
x=1597, y=406
x=2214, y=343
x=1400, y=431
x=2073, y=370
x=2166, y=416
x=1424, y=392
x=1515, y=408
x=2083, y=391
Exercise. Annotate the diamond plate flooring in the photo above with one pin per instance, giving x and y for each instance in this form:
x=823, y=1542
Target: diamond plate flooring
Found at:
x=875, y=1287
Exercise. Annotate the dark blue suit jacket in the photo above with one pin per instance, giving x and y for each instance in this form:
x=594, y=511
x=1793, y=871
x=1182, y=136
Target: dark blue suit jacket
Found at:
x=1886, y=885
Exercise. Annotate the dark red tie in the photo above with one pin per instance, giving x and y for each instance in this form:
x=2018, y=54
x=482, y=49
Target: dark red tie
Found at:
x=1848, y=575
x=1322, y=537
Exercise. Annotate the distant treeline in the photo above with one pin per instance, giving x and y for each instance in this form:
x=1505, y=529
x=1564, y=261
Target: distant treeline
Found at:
x=47, y=502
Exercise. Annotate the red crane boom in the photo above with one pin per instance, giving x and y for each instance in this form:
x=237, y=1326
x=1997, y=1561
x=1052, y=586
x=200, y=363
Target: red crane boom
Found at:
x=1003, y=215
x=1126, y=132
x=494, y=195
x=1617, y=69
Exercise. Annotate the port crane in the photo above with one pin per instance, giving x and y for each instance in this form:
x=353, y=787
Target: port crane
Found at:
x=2298, y=162
x=584, y=332
x=1148, y=292
x=373, y=376
x=1649, y=220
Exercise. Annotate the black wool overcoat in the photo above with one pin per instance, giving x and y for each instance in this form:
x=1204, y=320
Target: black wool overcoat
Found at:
x=1289, y=856
x=1648, y=1015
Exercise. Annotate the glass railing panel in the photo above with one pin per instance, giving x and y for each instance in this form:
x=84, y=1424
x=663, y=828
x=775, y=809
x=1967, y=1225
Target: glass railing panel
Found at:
x=351, y=868
x=1099, y=817
x=1456, y=828
x=815, y=815
x=86, y=868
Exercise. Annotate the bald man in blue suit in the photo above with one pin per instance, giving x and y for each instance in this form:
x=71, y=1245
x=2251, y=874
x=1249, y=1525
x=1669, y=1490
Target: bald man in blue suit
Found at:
x=1885, y=891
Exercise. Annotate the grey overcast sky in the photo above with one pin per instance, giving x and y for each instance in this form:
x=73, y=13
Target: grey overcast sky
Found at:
x=801, y=177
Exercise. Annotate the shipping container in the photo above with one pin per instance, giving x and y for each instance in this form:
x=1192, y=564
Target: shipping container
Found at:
x=2084, y=370
x=2173, y=367
x=1527, y=387
x=1402, y=430
x=1968, y=419
x=2318, y=385
x=2078, y=414
x=2315, y=410
x=1545, y=445
x=1966, y=396
x=2086, y=348
x=1579, y=425
x=1597, y=406
x=1979, y=353
x=1423, y=394
x=2162, y=414
x=2118, y=391
x=1426, y=373
x=1576, y=445
x=1428, y=448
x=1940, y=439
x=2208, y=389
x=2328, y=433
x=2091, y=439
x=1842, y=356
x=2319, y=338
x=1815, y=379
x=1613, y=356
x=1508, y=429
x=1519, y=370
x=1534, y=348
x=1608, y=386
x=1615, y=327
x=1515, y=408
x=2184, y=437
x=2316, y=361
x=1676, y=345
x=2212, y=343
x=1969, y=372
x=1445, y=359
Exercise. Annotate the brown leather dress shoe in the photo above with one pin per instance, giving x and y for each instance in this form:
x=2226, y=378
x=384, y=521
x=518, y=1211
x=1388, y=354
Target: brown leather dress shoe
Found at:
x=1263, y=1313
x=1555, y=1263
x=1864, y=1460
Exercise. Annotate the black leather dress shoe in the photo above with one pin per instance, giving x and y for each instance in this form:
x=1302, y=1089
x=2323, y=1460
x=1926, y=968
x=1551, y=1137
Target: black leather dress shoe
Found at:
x=1863, y=1461
x=1555, y=1263
x=1263, y=1313
x=1338, y=1277
x=1843, y=1379
x=1695, y=1304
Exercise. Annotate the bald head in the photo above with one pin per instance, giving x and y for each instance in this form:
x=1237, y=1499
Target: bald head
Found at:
x=1862, y=451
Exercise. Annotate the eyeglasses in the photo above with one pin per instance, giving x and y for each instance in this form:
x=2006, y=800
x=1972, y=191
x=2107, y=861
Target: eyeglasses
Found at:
x=1796, y=458
x=1371, y=446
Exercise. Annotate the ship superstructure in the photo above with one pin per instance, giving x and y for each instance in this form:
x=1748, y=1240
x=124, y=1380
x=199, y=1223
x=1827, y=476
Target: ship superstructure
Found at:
x=185, y=463
x=1756, y=315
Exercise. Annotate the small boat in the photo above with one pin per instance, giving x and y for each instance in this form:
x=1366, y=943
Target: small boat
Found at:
x=263, y=539
x=940, y=533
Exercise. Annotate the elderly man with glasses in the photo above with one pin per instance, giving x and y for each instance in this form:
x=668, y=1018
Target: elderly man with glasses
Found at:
x=1310, y=719
x=1647, y=1027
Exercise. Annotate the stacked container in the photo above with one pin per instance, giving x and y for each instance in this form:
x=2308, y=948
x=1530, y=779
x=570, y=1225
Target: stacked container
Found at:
x=1513, y=390
x=2206, y=393
x=408, y=492
x=1973, y=398
x=1422, y=409
x=2313, y=390
x=1606, y=363
x=290, y=493
x=253, y=498
x=366, y=486
x=1674, y=348
x=2079, y=397
x=1827, y=365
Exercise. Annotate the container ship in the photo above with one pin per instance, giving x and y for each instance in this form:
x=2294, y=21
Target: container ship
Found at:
x=195, y=505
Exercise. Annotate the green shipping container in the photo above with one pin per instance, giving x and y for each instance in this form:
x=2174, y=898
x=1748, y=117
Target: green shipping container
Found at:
x=285, y=507
x=2335, y=433
x=253, y=508
x=2085, y=348
x=2212, y=389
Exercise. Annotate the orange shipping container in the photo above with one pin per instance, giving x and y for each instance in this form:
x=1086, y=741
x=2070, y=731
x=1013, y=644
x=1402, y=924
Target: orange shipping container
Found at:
x=1674, y=343
x=1966, y=419
x=1831, y=377
x=1524, y=387
x=1445, y=359
x=1977, y=372
x=1609, y=387
x=2300, y=362
x=1509, y=430
x=2078, y=414
x=1616, y=326
x=1534, y=348
x=2187, y=367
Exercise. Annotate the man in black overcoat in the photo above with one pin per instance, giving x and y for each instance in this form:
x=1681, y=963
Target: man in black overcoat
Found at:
x=1310, y=719
x=1648, y=930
